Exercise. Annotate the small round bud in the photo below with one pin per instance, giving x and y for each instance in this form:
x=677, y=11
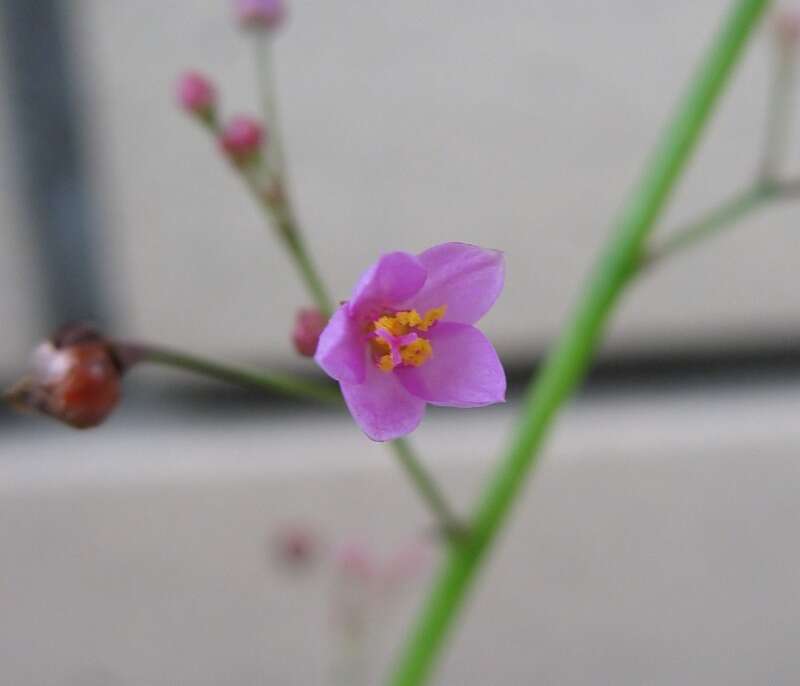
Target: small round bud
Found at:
x=196, y=94
x=307, y=328
x=241, y=139
x=787, y=28
x=260, y=14
x=75, y=378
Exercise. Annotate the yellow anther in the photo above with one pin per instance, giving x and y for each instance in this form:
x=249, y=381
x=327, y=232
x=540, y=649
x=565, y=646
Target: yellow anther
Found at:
x=431, y=317
x=417, y=352
x=409, y=318
x=402, y=323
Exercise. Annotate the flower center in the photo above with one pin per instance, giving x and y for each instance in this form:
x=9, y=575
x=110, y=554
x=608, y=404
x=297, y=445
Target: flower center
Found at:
x=398, y=339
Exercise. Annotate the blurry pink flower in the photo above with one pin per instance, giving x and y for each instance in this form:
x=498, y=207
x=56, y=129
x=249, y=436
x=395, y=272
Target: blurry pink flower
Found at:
x=241, y=139
x=356, y=562
x=787, y=28
x=196, y=93
x=309, y=324
x=406, y=338
x=260, y=14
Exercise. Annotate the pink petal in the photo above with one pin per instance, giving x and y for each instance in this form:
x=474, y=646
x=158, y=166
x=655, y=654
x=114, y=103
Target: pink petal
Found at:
x=395, y=277
x=340, y=351
x=465, y=278
x=464, y=370
x=381, y=406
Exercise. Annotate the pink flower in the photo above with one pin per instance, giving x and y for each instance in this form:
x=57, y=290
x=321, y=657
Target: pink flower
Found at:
x=261, y=14
x=406, y=338
x=241, y=138
x=196, y=93
x=307, y=327
x=787, y=28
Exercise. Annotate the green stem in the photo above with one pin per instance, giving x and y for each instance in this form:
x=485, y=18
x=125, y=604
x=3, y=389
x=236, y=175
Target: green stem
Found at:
x=267, y=90
x=723, y=216
x=567, y=363
x=265, y=381
x=450, y=524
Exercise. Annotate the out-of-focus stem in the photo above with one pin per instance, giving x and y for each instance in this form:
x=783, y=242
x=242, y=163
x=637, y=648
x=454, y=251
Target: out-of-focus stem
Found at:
x=451, y=526
x=567, y=363
x=265, y=72
x=711, y=223
x=779, y=109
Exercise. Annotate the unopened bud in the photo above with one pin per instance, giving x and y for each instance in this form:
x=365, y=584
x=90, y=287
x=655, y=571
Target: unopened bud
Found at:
x=196, y=94
x=75, y=378
x=241, y=139
x=307, y=328
x=260, y=14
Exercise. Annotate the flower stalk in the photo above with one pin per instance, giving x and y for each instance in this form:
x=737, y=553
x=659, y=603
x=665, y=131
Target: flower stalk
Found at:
x=567, y=363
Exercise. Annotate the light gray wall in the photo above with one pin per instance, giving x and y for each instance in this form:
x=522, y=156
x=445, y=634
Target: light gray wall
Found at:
x=518, y=125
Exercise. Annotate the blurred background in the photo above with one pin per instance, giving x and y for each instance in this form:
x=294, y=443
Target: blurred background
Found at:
x=658, y=542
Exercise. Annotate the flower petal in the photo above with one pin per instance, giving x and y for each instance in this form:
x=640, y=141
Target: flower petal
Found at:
x=340, y=351
x=394, y=278
x=465, y=278
x=464, y=370
x=381, y=406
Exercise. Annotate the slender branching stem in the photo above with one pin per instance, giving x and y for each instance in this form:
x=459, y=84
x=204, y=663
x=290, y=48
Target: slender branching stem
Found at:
x=725, y=215
x=450, y=524
x=271, y=382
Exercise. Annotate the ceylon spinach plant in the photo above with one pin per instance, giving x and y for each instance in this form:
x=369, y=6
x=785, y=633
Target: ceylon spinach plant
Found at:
x=406, y=336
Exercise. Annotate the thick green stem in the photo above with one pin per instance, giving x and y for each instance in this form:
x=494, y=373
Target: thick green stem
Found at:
x=567, y=363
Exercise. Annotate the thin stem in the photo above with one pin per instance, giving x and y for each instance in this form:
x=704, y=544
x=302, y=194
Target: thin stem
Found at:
x=265, y=69
x=278, y=210
x=425, y=484
x=450, y=524
x=712, y=222
x=778, y=114
x=264, y=381
x=569, y=360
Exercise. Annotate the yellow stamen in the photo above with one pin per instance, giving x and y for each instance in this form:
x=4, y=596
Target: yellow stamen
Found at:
x=403, y=323
x=431, y=317
x=417, y=352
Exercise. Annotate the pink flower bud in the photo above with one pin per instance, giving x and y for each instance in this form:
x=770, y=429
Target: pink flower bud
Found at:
x=307, y=328
x=260, y=14
x=75, y=378
x=196, y=94
x=787, y=28
x=241, y=139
